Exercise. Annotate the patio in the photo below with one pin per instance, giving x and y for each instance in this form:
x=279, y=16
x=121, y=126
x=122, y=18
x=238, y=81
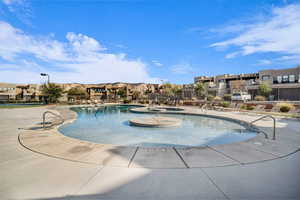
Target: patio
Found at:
x=30, y=175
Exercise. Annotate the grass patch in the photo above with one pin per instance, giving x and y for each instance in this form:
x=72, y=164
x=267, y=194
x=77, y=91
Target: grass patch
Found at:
x=18, y=106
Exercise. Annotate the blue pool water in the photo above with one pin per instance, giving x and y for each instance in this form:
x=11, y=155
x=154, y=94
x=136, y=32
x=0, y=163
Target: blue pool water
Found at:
x=109, y=125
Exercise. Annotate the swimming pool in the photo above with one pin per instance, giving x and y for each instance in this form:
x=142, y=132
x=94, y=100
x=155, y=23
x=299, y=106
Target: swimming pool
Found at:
x=109, y=125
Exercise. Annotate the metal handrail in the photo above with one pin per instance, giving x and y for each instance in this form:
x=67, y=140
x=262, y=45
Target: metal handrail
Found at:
x=274, y=123
x=203, y=108
x=44, y=117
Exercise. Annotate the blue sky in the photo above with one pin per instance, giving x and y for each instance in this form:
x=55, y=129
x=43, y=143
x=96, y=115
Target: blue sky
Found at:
x=95, y=41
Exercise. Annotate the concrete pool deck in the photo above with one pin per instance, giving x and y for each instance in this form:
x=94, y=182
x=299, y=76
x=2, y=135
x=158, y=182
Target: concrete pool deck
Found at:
x=237, y=171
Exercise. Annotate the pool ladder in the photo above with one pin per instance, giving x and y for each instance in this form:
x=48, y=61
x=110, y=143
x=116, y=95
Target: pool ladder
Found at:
x=274, y=123
x=56, y=115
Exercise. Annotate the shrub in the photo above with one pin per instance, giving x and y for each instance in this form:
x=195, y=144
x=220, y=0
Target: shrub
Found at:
x=247, y=107
x=250, y=107
x=244, y=106
x=260, y=98
x=210, y=97
x=268, y=107
x=126, y=101
x=225, y=104
x=217, y=98
x=227, y=97
x=285, y=107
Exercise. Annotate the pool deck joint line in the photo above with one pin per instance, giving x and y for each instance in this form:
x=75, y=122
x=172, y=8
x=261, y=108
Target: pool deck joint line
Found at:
x=181, y=158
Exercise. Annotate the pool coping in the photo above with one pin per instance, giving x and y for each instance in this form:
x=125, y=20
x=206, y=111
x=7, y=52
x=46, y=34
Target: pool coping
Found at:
x=258, y=149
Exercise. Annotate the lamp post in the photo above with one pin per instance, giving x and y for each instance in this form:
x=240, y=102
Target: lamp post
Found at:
x=43, y=74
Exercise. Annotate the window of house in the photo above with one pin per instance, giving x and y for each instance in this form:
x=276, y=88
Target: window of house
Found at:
x=265, y=77
x=292, y=78
x=279, y=79
x=285, y=79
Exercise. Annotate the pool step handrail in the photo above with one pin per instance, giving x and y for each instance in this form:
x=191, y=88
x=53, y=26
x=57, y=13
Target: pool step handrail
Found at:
x=49, y=112
x=274, y=123
x=204, y=108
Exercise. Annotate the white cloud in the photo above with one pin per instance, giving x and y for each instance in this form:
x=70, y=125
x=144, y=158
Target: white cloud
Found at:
x=83, y=44
x=264, y=62
x=182, y=68
x=21, y=9
x=14, y=42
x=80, y=59
x=231, y=55
x=278, y=34
x=9, y=2
x=156, y=63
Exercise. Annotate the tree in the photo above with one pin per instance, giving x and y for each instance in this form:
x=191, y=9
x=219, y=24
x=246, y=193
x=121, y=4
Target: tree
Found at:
x=136, y=94
x=167, y=89
x=264, y=89
x=52, y=92
x=77, y=91
x=122, y=92
x=176, y=92
x=200, y=90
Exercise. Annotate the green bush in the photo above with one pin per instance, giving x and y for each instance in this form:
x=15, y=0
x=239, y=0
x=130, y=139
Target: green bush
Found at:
x=285, y=107
x=126, y=101
x=250, y=107
x=247, y=107
x=225, y=104
x=227, y=97
x=244, y=107
x=210, y=97
x=260, y=98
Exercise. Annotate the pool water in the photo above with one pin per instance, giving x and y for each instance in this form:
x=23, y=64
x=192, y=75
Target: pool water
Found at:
x=109, y=125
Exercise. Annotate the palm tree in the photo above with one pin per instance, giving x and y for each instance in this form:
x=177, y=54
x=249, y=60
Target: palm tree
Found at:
x=136, y=95
x=201, y=90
